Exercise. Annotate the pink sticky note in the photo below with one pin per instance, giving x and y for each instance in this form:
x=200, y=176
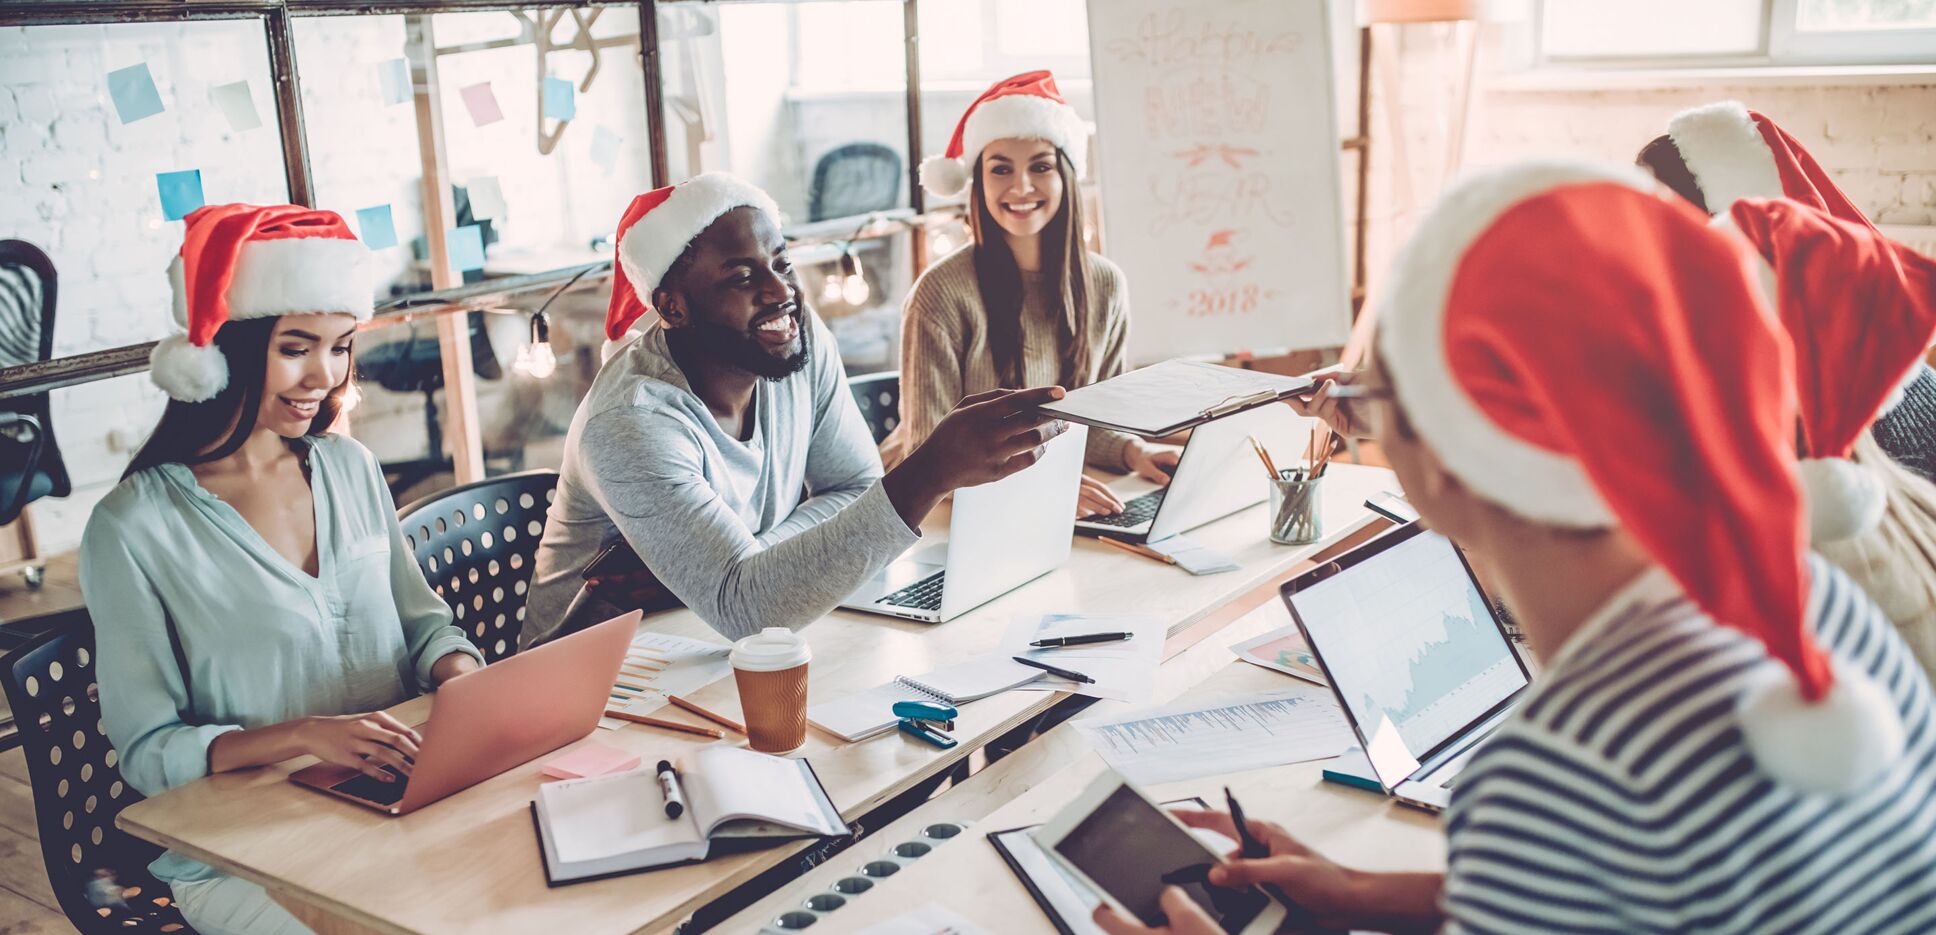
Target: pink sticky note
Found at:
x=482, y=104
x=591, y=759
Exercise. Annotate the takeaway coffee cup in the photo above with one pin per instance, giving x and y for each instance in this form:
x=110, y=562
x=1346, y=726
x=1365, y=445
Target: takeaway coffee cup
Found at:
x=770, y=668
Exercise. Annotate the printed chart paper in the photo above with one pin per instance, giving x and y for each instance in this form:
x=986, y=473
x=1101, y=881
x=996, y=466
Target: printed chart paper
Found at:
x=1209, y=738
x=660, y=664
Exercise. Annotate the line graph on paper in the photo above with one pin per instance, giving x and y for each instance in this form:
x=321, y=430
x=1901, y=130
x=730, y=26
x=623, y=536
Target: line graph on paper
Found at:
x=1186, y=741
x=1411, y=639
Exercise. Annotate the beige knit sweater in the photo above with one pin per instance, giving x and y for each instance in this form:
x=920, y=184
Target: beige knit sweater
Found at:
x=945, y=354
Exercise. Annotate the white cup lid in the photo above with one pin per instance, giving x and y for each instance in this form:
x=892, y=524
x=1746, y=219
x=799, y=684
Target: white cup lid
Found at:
x=771, y=650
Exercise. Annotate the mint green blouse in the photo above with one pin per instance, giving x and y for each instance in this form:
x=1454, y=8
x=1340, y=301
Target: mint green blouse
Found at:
x=264, y=641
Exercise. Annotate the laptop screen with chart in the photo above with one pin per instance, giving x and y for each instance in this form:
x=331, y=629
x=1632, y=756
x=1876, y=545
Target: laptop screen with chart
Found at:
x=1407, y=638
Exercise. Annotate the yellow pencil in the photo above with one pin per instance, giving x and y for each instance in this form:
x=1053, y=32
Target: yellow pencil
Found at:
x=720, y=719
x=667, y=725
x=1263, y=456
x=1137, y=549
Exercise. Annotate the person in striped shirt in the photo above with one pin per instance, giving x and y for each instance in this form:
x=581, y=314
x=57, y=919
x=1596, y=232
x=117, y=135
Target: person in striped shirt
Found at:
x=1578, y=381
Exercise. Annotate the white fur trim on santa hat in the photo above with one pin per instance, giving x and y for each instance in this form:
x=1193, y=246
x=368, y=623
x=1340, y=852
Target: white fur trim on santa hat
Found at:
x=301, y=275
x=1014, y=117
x=1531, y=481
x=188, y=372
x=656, y=240
x=1836, y=746
x=1845, y=499
x=1725, y=151
x=943, y=177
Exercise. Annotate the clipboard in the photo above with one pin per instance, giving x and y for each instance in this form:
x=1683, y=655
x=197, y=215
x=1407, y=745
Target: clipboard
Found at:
x=1011, y=843
x=1168, y=397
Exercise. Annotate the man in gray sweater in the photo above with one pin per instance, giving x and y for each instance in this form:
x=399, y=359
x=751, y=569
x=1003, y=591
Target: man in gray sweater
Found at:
x=721, y=444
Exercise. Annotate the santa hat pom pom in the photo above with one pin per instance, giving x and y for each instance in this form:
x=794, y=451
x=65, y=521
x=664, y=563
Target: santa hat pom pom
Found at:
x=1844, y=498
x=943, y=177
x=1836, y=746
x=188, y=372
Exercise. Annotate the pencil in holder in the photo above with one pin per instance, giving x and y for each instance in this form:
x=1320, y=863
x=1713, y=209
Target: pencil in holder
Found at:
x=1294, y=515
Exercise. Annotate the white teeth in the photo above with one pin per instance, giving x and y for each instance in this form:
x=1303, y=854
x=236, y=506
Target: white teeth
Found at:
x=777, y=324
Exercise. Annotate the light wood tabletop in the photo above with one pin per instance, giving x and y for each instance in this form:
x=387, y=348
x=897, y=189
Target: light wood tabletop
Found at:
x=470, y=862
x=1360, y=829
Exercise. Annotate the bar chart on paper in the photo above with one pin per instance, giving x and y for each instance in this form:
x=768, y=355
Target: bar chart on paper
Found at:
x=1179, y=742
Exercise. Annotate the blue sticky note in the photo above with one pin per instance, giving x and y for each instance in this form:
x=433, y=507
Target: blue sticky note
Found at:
x=133, y=90
x=467, y=248
x=379, y=230
x=181, y=193
x=560, y=99
x=394, y=76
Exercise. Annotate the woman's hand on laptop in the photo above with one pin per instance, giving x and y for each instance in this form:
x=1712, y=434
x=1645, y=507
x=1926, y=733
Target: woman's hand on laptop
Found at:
x=1153, y=463
x=1097, y=499
x=367, y=742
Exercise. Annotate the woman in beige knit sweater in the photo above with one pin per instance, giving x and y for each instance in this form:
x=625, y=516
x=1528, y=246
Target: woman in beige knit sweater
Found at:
x=1024, y=304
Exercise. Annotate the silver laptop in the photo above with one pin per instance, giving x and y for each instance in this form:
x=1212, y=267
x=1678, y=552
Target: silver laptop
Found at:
x=1420, y=663
x=1000, y=536
x=1217, y=475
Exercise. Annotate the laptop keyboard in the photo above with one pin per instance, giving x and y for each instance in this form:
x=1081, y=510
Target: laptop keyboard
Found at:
x=1136, y=512
x=924, y=594
x=374, y=790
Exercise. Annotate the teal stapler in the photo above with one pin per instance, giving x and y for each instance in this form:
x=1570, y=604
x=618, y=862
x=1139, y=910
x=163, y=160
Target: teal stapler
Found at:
x=926, y=721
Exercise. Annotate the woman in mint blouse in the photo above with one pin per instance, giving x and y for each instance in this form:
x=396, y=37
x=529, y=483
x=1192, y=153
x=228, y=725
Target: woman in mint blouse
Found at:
x=252, y=596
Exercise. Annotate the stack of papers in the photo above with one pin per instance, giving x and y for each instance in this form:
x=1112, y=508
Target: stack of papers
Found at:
x=1172, y=396
x=1192, y=740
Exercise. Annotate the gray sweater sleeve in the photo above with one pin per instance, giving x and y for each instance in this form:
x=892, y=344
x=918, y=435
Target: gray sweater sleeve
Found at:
x=646, y=471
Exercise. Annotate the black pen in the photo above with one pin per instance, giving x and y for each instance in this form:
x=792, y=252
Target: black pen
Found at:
x=1253, y=849
x=1083, y=640
x=1070, y=674
x=675, y=801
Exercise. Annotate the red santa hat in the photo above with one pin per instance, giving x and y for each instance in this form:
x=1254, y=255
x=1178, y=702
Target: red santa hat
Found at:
x=657, y=227
x=1025, y=107
x=1735, y=153
x=253, y=261
x=1579, y=347
x=1861, y=312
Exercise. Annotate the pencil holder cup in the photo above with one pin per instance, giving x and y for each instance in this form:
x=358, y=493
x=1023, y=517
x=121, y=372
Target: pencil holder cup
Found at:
x=1294, y=515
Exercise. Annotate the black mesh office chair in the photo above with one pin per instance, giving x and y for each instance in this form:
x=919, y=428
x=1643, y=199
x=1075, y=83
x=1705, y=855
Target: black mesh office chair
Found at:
x=879, y=397
x=854, y=179
x=476, y=544
x=30, y=461
x=78, y=787
x=1908, y=432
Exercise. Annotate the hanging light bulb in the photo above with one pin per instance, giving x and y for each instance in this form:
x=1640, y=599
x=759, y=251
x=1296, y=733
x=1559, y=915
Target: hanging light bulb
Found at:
x=830, y=290
x=854, y=287
x=536, y=358
x=943, y=244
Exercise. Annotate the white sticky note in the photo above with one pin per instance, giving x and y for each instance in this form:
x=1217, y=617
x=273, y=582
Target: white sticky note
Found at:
x=237, y=105
x=487, y=198
x=605, y=148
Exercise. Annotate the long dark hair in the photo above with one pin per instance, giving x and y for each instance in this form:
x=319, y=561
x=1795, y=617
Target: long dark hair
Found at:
x=188, y=428
x=1064, y=261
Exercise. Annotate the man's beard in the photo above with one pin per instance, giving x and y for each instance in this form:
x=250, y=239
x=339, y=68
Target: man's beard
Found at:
x=744, y=350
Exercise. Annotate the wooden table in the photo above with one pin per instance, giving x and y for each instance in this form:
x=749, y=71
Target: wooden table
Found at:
x=470, y=862
x=1357, y=828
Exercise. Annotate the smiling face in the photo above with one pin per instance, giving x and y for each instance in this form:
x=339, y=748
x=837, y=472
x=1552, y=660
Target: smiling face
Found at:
x=309, y=355
x=1021, y=185
x=734, y=296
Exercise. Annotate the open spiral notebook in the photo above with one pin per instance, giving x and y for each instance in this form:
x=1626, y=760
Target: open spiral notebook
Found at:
x=860, y=716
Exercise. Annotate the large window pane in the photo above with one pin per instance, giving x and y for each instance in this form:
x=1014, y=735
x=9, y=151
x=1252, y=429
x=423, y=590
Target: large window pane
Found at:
x=1845, y=15
x=1597, y=29
x=95, y=123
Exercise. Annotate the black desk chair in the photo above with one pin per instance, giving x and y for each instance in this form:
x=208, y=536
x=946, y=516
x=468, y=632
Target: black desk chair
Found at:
x=1908, y=432
x=879, y=397
x=476, y=544
x=854, y=179
x=30, y=461
x=78, y=789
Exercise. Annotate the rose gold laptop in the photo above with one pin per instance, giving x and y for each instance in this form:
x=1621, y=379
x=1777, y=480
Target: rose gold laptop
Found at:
x=485, y=722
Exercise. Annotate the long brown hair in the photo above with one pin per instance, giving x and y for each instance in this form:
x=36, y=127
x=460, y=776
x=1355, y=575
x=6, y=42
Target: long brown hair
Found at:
x=187, y=428
x=1064, y=261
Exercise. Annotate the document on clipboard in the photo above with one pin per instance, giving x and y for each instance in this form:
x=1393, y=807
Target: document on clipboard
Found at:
x=1172, y=396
